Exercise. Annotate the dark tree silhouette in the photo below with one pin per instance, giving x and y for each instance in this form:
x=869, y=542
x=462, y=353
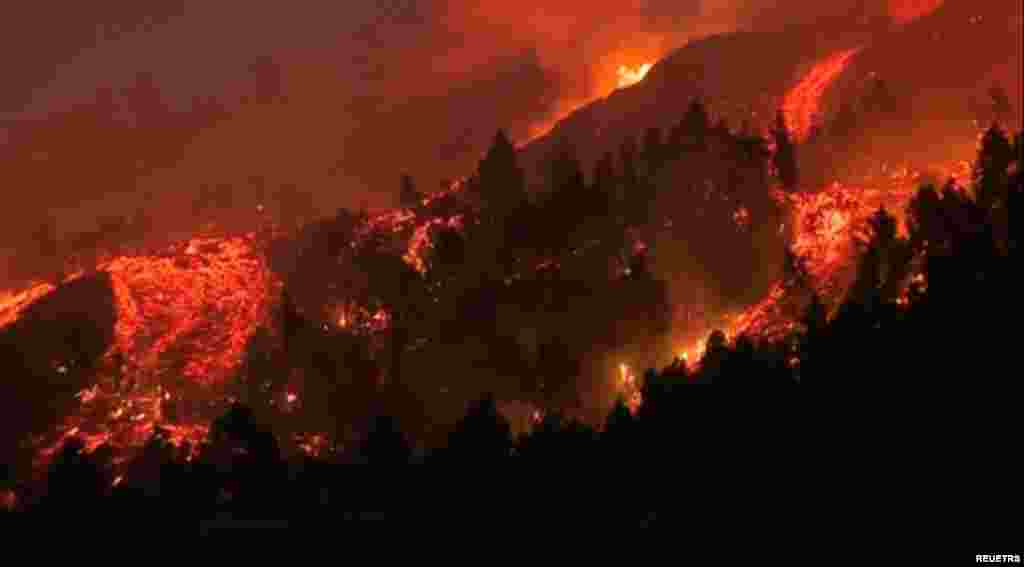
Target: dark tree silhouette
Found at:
x=565, y=174
x=76, y=481
x=449, y=252
x=879, y=102
x=991, y=170
x=385, y=444
x=258, y=371
x=926, y=224
x=604, y=173
x=291, y=321
x=883, y=263
x=1016, y=187
x=603, y=186
x=501, y=183
x=482, y=435
x=1001, y=107
x=654, y=153
x=785, y=154
x=695, y=127
x=631, y=200
x=408, y=197
x=845, y=123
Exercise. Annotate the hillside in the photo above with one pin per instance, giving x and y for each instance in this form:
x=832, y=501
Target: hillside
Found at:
x=939, y=61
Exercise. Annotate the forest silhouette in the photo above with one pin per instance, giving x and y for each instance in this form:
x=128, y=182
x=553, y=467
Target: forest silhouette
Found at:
x=569, y=259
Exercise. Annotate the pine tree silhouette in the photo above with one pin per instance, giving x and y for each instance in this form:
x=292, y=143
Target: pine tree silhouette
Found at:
x=991, y=170
x=695, y=127
x=482, y=435
x=500, y=181
x=408, y=197
x=785, y=154
x=654, y=150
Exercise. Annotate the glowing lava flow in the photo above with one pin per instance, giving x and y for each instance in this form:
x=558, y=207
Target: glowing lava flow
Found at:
x=184, y=318
x=826, y=226
x=12, y=304
x=803, y=102
x=202, y=300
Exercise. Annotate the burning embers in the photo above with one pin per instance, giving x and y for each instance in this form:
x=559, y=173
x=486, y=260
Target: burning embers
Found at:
x=124, y=418
x=630, y=388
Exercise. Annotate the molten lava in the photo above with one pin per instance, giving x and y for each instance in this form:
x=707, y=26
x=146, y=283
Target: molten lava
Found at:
x=202, y=299
x=825, y=227
x=802, y=104
x=12, y=304
x=184, y=317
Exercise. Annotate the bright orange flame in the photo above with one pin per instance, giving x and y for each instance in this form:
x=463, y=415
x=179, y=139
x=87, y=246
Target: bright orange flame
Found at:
x=631, y=76
x=629, y=388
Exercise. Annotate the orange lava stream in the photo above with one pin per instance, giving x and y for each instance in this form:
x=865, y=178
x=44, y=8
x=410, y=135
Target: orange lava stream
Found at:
x=803, y=102
x=826, y=226
x=12, y=304
x=207, y=296
x=184, y=317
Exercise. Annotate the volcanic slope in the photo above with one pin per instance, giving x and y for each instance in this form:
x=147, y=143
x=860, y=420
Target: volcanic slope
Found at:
x=939, y=60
